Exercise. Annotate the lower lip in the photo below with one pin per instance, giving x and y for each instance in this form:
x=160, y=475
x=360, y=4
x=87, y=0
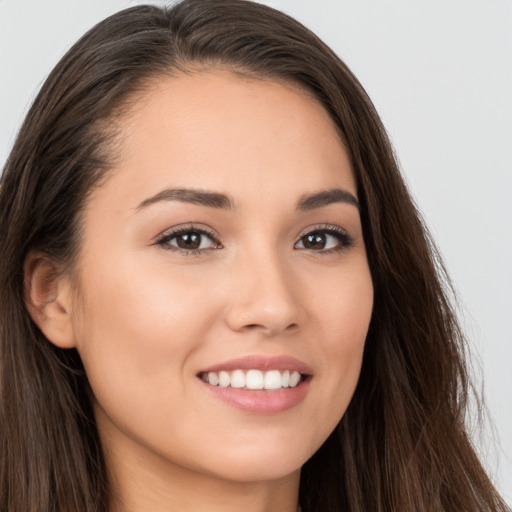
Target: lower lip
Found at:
x=261, y=401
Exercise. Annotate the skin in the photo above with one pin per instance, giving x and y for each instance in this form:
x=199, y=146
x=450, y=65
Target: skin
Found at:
x=150, y=317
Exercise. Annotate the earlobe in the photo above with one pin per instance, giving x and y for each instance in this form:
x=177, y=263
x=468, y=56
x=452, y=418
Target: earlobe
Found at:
x=49, y=300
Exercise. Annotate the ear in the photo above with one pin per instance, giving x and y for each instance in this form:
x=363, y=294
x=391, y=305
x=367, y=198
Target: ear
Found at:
x=48, y=296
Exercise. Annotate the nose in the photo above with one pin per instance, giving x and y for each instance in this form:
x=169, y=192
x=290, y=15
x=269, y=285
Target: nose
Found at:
x=265, y=297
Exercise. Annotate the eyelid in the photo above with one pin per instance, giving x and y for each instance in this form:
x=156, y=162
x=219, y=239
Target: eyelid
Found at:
x=163, y=238
x=321, y=227
x=345, y=239
x=187, y=226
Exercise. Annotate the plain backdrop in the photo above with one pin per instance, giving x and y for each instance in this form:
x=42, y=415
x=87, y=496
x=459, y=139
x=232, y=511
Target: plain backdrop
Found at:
x=440, y=74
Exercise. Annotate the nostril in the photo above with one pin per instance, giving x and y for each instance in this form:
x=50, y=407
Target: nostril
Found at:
x=270, y=328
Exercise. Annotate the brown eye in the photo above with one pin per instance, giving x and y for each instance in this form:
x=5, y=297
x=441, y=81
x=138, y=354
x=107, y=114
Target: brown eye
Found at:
x=314, y=241
x=325, y=240
x=188, y=240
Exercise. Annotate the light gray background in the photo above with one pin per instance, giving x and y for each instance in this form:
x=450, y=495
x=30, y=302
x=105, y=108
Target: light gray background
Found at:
x=440, y=74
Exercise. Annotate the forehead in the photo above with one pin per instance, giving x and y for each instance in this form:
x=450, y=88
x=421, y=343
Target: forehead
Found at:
x=219, y=131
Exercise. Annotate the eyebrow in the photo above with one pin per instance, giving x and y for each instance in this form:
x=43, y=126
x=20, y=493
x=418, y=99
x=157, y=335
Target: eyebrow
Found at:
x=210, y=199
x=327, y=197
x=223, y=201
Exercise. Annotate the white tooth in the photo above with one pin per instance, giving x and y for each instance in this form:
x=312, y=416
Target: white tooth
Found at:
x=294, y=379
x=273, y=379
x=254, y=379
x=238, y=379
x=213, y=378
x=285, y=381
x=224, y=379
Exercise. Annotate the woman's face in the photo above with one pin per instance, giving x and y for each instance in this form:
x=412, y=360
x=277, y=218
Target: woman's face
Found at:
x=227, y=246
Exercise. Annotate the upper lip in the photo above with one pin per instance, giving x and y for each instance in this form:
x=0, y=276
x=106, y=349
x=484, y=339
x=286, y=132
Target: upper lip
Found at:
x=259, y=362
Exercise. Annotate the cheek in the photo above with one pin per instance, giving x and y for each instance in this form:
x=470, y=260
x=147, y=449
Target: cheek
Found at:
x=139, y=303
x=345, y=309
x=140, y=326
x=136, y=342
x=349, y=325
x=343, y=315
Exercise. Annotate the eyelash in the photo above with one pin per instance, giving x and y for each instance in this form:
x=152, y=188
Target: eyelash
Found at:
x=165, y=239
x=345, y=241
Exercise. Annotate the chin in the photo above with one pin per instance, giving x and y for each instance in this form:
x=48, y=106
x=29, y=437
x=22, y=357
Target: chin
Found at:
x=256, y=471
x=257, y=463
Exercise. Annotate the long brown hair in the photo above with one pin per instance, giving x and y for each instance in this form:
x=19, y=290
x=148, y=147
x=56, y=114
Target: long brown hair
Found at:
x=401, y=445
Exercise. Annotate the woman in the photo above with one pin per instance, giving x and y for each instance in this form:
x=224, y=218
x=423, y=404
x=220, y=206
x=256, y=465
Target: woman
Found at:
x=216, y=291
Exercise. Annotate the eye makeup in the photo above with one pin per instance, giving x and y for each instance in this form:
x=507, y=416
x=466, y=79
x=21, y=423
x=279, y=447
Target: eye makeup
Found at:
x=325, y=239
x=189, y=240
x=193, y=240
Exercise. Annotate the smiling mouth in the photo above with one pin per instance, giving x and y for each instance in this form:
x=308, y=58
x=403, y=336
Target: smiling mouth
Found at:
x=254, y=380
